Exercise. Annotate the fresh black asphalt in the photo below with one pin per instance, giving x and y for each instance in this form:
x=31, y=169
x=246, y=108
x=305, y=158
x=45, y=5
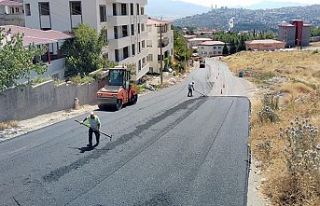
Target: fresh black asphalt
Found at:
x=167, y=150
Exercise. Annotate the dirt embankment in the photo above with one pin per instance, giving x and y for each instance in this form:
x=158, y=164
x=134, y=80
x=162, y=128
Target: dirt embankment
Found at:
x=285, y=140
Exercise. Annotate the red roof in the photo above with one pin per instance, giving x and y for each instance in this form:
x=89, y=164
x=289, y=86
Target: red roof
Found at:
x=37, y=36
x=10, y=3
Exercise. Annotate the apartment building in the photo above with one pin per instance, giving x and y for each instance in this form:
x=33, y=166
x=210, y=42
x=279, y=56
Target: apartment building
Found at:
x=123, y=21
x=210, y=48
x=158, y=29
x=295, y=33
x=11, y=13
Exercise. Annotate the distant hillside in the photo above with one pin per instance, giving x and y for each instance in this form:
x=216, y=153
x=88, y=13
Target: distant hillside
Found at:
x=246, y=19
x=274, y=5
x=171, y=9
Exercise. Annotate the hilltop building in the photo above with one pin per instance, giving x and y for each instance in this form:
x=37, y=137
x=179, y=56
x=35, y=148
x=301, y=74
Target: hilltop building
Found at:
x=296, y=33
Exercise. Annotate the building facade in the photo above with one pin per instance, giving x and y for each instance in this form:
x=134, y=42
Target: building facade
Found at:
x=194, y=42
x=11, y=13
x=158, y=29
x=210, y=48
x=123, y=21
x=51, y=40
x=265, y=45
x=296, y=33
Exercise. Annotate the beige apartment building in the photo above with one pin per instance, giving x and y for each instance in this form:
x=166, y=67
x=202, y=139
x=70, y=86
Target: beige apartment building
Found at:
x=124, y=22
x=158, y=29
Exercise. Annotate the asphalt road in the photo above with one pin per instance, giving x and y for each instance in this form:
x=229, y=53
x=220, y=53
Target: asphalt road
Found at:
x=167, y=150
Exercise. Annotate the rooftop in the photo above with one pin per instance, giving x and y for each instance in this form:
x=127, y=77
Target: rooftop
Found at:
x=152, y=21
x=200, y=39
x=212, y=43
x=36, y=36
x=264, y=41
x=10, y=3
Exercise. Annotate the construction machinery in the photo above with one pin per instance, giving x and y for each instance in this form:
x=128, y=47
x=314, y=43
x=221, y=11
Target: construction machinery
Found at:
x=119, y=90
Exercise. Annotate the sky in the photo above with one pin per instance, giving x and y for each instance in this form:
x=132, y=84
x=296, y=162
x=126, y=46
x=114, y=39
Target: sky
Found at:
x=245, y=3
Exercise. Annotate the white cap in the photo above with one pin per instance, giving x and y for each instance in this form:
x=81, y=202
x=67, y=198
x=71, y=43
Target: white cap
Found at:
x=91, y=113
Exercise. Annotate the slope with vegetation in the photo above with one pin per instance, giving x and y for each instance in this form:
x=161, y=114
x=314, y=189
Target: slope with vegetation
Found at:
x=285, y=139
x=247, y=19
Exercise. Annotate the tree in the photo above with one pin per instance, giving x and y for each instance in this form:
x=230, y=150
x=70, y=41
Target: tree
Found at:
x=18, y=61
x=233, y=48
x=225, y=50
x=181, y=49
x=84, y=52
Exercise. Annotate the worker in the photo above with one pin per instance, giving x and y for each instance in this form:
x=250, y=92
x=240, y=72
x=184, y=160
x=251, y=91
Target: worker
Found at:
x=93, y=122
x=190, y=89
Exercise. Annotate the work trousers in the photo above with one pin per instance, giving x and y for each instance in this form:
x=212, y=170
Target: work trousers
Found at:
x=97, y=134
x=190, y=93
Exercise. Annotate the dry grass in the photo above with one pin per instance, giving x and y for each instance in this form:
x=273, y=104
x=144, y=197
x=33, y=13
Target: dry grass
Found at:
x=300, y=65
x=301, y=99
x=8, y=125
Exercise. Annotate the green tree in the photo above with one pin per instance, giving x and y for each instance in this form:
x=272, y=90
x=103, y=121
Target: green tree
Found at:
x=225, y=50
x=84, y=52
x=181, y=49
x=18, y=61
x=315, y=31
x=233, y=48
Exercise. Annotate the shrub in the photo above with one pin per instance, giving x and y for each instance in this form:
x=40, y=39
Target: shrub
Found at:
x=81, y=80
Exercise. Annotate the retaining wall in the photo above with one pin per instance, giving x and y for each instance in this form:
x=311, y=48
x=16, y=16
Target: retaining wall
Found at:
x=25, y=102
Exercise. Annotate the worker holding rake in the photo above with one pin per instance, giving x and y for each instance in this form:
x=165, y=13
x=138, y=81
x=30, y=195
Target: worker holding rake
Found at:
x=190, y=89
x=93, y=122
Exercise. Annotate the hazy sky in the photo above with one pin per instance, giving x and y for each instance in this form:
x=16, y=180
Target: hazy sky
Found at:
x=244, y=3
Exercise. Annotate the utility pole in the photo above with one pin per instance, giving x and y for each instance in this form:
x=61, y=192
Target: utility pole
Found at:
x=160, y=26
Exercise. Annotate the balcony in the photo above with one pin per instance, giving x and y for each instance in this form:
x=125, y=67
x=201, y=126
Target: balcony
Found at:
x=118, y=20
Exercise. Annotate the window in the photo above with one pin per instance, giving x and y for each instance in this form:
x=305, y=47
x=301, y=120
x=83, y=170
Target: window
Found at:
x=149, y=43
x=150, y=58
x=103, y=13
x=138, y=28
x=138, y=9
x=17, y=10
x=123, y=9
x=116, y=35
x=142, y=10
x=117, y=57
x=131, y=10
x=114, y=6
x=125, y=52
x=142, y=27
x=139, y=47
x=124, y=31
x=132, y=29
x=28, y=9
x=44, y=8
x=143, y=44
x=139, y=66
x=133, y=48
x=75, y=8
